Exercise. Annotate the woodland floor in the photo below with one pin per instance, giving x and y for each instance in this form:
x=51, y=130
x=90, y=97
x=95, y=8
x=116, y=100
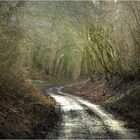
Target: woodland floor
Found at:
x=119, y=97
x=26, y=113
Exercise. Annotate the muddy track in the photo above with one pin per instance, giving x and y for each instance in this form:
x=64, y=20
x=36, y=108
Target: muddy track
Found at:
x=84, y=120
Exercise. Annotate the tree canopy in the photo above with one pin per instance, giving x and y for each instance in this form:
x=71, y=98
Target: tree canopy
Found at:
x=69, y=39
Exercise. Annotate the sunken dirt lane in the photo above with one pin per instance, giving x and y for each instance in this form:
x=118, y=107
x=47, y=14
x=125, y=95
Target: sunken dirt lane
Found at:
x=84, y=120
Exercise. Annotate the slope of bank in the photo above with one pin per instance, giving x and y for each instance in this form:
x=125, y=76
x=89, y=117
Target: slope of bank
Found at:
x=26, y=113
x=119, y=97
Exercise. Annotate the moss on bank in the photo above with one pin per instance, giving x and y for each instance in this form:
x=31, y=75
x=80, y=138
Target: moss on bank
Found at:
x=128, y=106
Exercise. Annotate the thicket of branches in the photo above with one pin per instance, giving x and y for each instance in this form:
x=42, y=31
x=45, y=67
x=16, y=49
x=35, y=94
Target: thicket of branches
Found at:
x=113, y=41
x=69, y=40
x=10, y=35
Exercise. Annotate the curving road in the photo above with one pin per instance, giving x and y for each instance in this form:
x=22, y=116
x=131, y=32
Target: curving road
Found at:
x=82, y=119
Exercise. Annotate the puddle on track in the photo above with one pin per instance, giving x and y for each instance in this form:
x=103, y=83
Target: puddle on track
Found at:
x=84, y=120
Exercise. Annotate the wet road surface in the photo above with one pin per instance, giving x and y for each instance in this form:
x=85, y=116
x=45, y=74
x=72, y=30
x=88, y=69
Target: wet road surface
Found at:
x=82, y=119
